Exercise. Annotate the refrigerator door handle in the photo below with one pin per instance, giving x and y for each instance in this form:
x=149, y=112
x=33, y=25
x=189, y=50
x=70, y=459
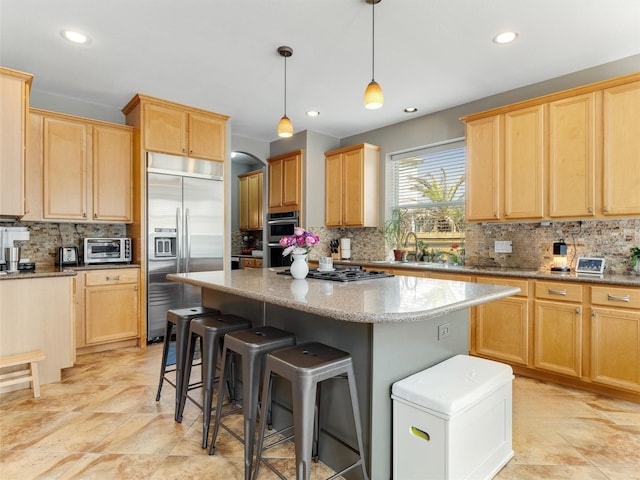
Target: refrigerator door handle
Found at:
x=178, y=240
x=187, y=237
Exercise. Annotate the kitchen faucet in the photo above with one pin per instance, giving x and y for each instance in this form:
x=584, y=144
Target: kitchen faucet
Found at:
x=415, y=245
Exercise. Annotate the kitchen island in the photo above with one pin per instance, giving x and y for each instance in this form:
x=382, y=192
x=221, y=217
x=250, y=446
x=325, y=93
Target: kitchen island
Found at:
x=393, y=327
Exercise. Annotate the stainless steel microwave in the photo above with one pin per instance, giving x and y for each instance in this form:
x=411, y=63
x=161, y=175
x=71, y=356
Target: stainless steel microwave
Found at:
x=106, y=250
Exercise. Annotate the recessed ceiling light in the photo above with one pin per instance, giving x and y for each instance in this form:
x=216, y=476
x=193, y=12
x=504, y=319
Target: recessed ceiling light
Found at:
x=410, y=110
x=505, y=37
x=75, y=37
x=313, y=113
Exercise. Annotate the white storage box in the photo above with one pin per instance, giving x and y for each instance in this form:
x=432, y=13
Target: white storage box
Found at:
x=453, y=421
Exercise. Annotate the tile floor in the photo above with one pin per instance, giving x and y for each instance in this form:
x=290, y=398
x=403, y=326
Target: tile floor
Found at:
x=102, y=422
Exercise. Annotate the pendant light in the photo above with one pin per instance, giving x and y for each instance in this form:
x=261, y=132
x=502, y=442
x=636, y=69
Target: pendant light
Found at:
x=373, y=97
x=285, y=127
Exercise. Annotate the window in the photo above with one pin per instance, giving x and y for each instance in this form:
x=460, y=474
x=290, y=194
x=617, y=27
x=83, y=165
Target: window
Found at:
x=429, y=187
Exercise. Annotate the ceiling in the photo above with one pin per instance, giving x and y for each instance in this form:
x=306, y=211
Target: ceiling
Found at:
x=220, y=55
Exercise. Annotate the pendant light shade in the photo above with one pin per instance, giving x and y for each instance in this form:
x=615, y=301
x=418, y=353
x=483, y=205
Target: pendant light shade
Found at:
x=285, y=127
x=373, y=96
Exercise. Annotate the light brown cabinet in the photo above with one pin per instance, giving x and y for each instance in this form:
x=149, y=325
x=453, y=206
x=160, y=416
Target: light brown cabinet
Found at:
x=351, y=186
x=573, y=150
x=251, y=210
x=558, y=328
x=86, y=169
x=502, y=326
x=250, y=262
x=14, y=99
x=590, y=134
x=179, y=130
x=621, y=174
x=615, y=337
x=285, y=182
x=107, y=308
x=505, y=165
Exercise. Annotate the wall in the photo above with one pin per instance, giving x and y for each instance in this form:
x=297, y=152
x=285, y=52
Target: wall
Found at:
x=45, y=238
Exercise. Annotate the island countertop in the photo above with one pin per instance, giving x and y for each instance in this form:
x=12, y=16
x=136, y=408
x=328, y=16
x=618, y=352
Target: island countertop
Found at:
x=381, y=300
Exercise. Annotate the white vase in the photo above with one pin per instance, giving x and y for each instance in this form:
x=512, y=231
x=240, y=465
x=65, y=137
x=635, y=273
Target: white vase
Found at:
x=299, y=267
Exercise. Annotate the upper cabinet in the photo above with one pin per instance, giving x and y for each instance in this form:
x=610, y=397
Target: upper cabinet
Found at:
x=285, y=182
x=14, y=98
x=176, y=129
x=572, y=154
x=351, y=186
x=621, y=163
x=86, y=168
x=251, y=208
x=505, y=164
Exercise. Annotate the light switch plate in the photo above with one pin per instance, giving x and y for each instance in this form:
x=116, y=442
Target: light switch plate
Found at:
x=503, y=246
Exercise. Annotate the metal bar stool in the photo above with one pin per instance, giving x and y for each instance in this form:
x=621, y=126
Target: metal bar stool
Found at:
x=252, y=345
x=305, y=366
x=211, y=331
x=180, y=318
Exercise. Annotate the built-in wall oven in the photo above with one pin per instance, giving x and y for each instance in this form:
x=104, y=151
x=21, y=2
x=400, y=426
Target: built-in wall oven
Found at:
x=279, y=225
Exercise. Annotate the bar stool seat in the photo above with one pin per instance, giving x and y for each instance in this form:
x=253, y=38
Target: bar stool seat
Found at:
x=180, y=318
x=211, y=331
x=305, y=366
x=252, y=345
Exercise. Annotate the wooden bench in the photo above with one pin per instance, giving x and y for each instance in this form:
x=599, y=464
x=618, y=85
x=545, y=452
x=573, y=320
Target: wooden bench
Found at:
x=20, y=376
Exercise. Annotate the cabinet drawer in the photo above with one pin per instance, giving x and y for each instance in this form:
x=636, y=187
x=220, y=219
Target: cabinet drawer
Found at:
x=111, y=277
x=523, y=285
x=569, y=292
x=627, y=297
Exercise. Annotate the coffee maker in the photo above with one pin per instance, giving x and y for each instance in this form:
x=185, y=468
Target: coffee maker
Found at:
x=9, y=251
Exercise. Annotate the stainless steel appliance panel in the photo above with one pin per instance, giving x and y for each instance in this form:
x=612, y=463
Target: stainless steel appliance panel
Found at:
x=184, y=210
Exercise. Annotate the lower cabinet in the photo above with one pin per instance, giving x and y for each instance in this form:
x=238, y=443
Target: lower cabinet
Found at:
x=615, y=337
x=107, y=308
x=558, y=328
x=502, y=326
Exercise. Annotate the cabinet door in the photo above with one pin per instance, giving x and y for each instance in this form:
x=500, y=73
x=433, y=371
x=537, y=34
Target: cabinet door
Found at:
x=524, y=154
x=572, y=156
x=111, y=313
x=502, y=330
x=558, y=338
x=243, y=213
x=484, y=152
x=621, y=189
x=353, y=190
x=615, y=348
x=65, y=169
x=333, y=190
x=164, y=129
x=254, y=201
x=34, y=169
x=206, y=137
x=13, y=119
x=291, y=181
x=275, y=183
x=112, y=174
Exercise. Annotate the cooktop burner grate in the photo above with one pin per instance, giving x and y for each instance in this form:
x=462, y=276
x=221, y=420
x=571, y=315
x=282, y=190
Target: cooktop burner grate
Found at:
x=344, y=274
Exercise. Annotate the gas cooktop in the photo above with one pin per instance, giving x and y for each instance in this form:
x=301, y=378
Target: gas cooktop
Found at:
x=343, y=274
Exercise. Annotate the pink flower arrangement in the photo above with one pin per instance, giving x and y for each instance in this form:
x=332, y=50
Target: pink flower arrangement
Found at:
x=300, y=243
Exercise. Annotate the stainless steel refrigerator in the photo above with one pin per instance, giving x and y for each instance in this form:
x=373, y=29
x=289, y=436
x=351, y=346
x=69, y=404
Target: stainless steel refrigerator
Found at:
x=185, y=231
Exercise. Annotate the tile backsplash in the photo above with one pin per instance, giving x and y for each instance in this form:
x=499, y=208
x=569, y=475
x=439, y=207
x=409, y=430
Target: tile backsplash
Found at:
x=45, y=238
x=532, y=243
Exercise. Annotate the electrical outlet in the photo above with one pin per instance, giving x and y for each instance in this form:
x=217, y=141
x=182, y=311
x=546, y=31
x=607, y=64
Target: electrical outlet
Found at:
x=444, y=330
x=503, y=246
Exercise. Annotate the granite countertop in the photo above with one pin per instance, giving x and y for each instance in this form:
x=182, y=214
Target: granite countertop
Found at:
x=65, y=271
x=607, y=278
x=382, y=300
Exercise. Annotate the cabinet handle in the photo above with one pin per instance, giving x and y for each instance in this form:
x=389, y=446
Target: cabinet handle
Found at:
x=84, y=214
x=593, y=314
x=578, y=310
x=114, y=278
x=495, y=214
x=95, y=215
x=605, y=209
x=557, y=292
x=625, y=298
x=590, y=210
